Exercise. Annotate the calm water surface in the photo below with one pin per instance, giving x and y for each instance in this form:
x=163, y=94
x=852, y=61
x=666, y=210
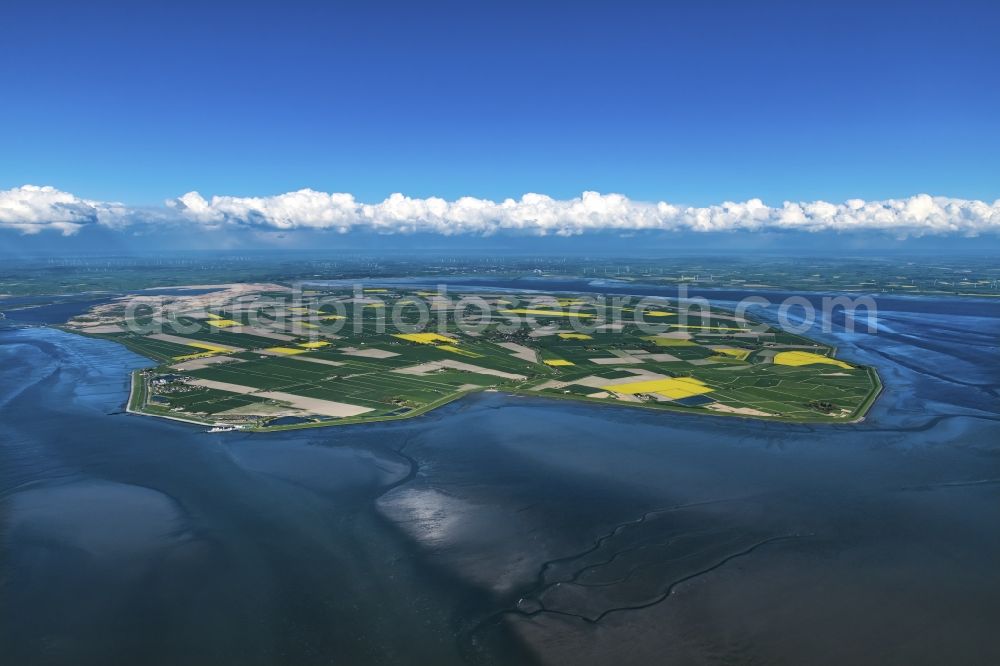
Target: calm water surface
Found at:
x=508, y=530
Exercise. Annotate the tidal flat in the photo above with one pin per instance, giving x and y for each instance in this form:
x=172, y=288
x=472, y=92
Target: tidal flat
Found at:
x=508, y=529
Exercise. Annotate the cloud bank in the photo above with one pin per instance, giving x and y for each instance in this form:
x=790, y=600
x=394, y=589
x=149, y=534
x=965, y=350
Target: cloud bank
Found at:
x=32, y=209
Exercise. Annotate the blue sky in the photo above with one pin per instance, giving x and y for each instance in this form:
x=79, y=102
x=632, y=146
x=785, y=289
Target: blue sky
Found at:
x=695, y=102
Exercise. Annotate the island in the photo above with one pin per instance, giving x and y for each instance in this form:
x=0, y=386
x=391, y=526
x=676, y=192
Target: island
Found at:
x=263, y=357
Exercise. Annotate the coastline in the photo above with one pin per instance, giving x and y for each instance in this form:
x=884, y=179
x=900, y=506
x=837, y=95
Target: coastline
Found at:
x=526, y=481
x=857, y=415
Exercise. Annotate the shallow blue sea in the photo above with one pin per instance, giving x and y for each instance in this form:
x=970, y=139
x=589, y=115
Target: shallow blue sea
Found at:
x=504, y=529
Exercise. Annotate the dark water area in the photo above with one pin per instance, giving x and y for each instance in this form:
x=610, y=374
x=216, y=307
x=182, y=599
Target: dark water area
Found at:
x=58, y=312
x=35, y=310
x=970, y=306
x=173, y=291
x=21, y=301
x=508, y=530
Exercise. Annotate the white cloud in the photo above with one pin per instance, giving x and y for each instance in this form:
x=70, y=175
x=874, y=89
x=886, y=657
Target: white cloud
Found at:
x=31, y=209
x=304, y=209
x=542, y=215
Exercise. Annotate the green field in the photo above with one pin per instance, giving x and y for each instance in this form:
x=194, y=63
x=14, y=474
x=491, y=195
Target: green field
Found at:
x=301, y=366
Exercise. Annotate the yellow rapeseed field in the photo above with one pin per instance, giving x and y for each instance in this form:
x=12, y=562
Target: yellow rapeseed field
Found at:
x=575, y=336
x=188, y=357
x=205, y=345
x=314, y=345
x=797, y=358
x=660, y=313
x=558, y=362
x=285, y=350
x=425, y=338
x=741, y=354
x=222, y=323
x=672, y=387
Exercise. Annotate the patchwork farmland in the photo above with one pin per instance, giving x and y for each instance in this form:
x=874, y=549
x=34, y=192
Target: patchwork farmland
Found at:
x=262, y=357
